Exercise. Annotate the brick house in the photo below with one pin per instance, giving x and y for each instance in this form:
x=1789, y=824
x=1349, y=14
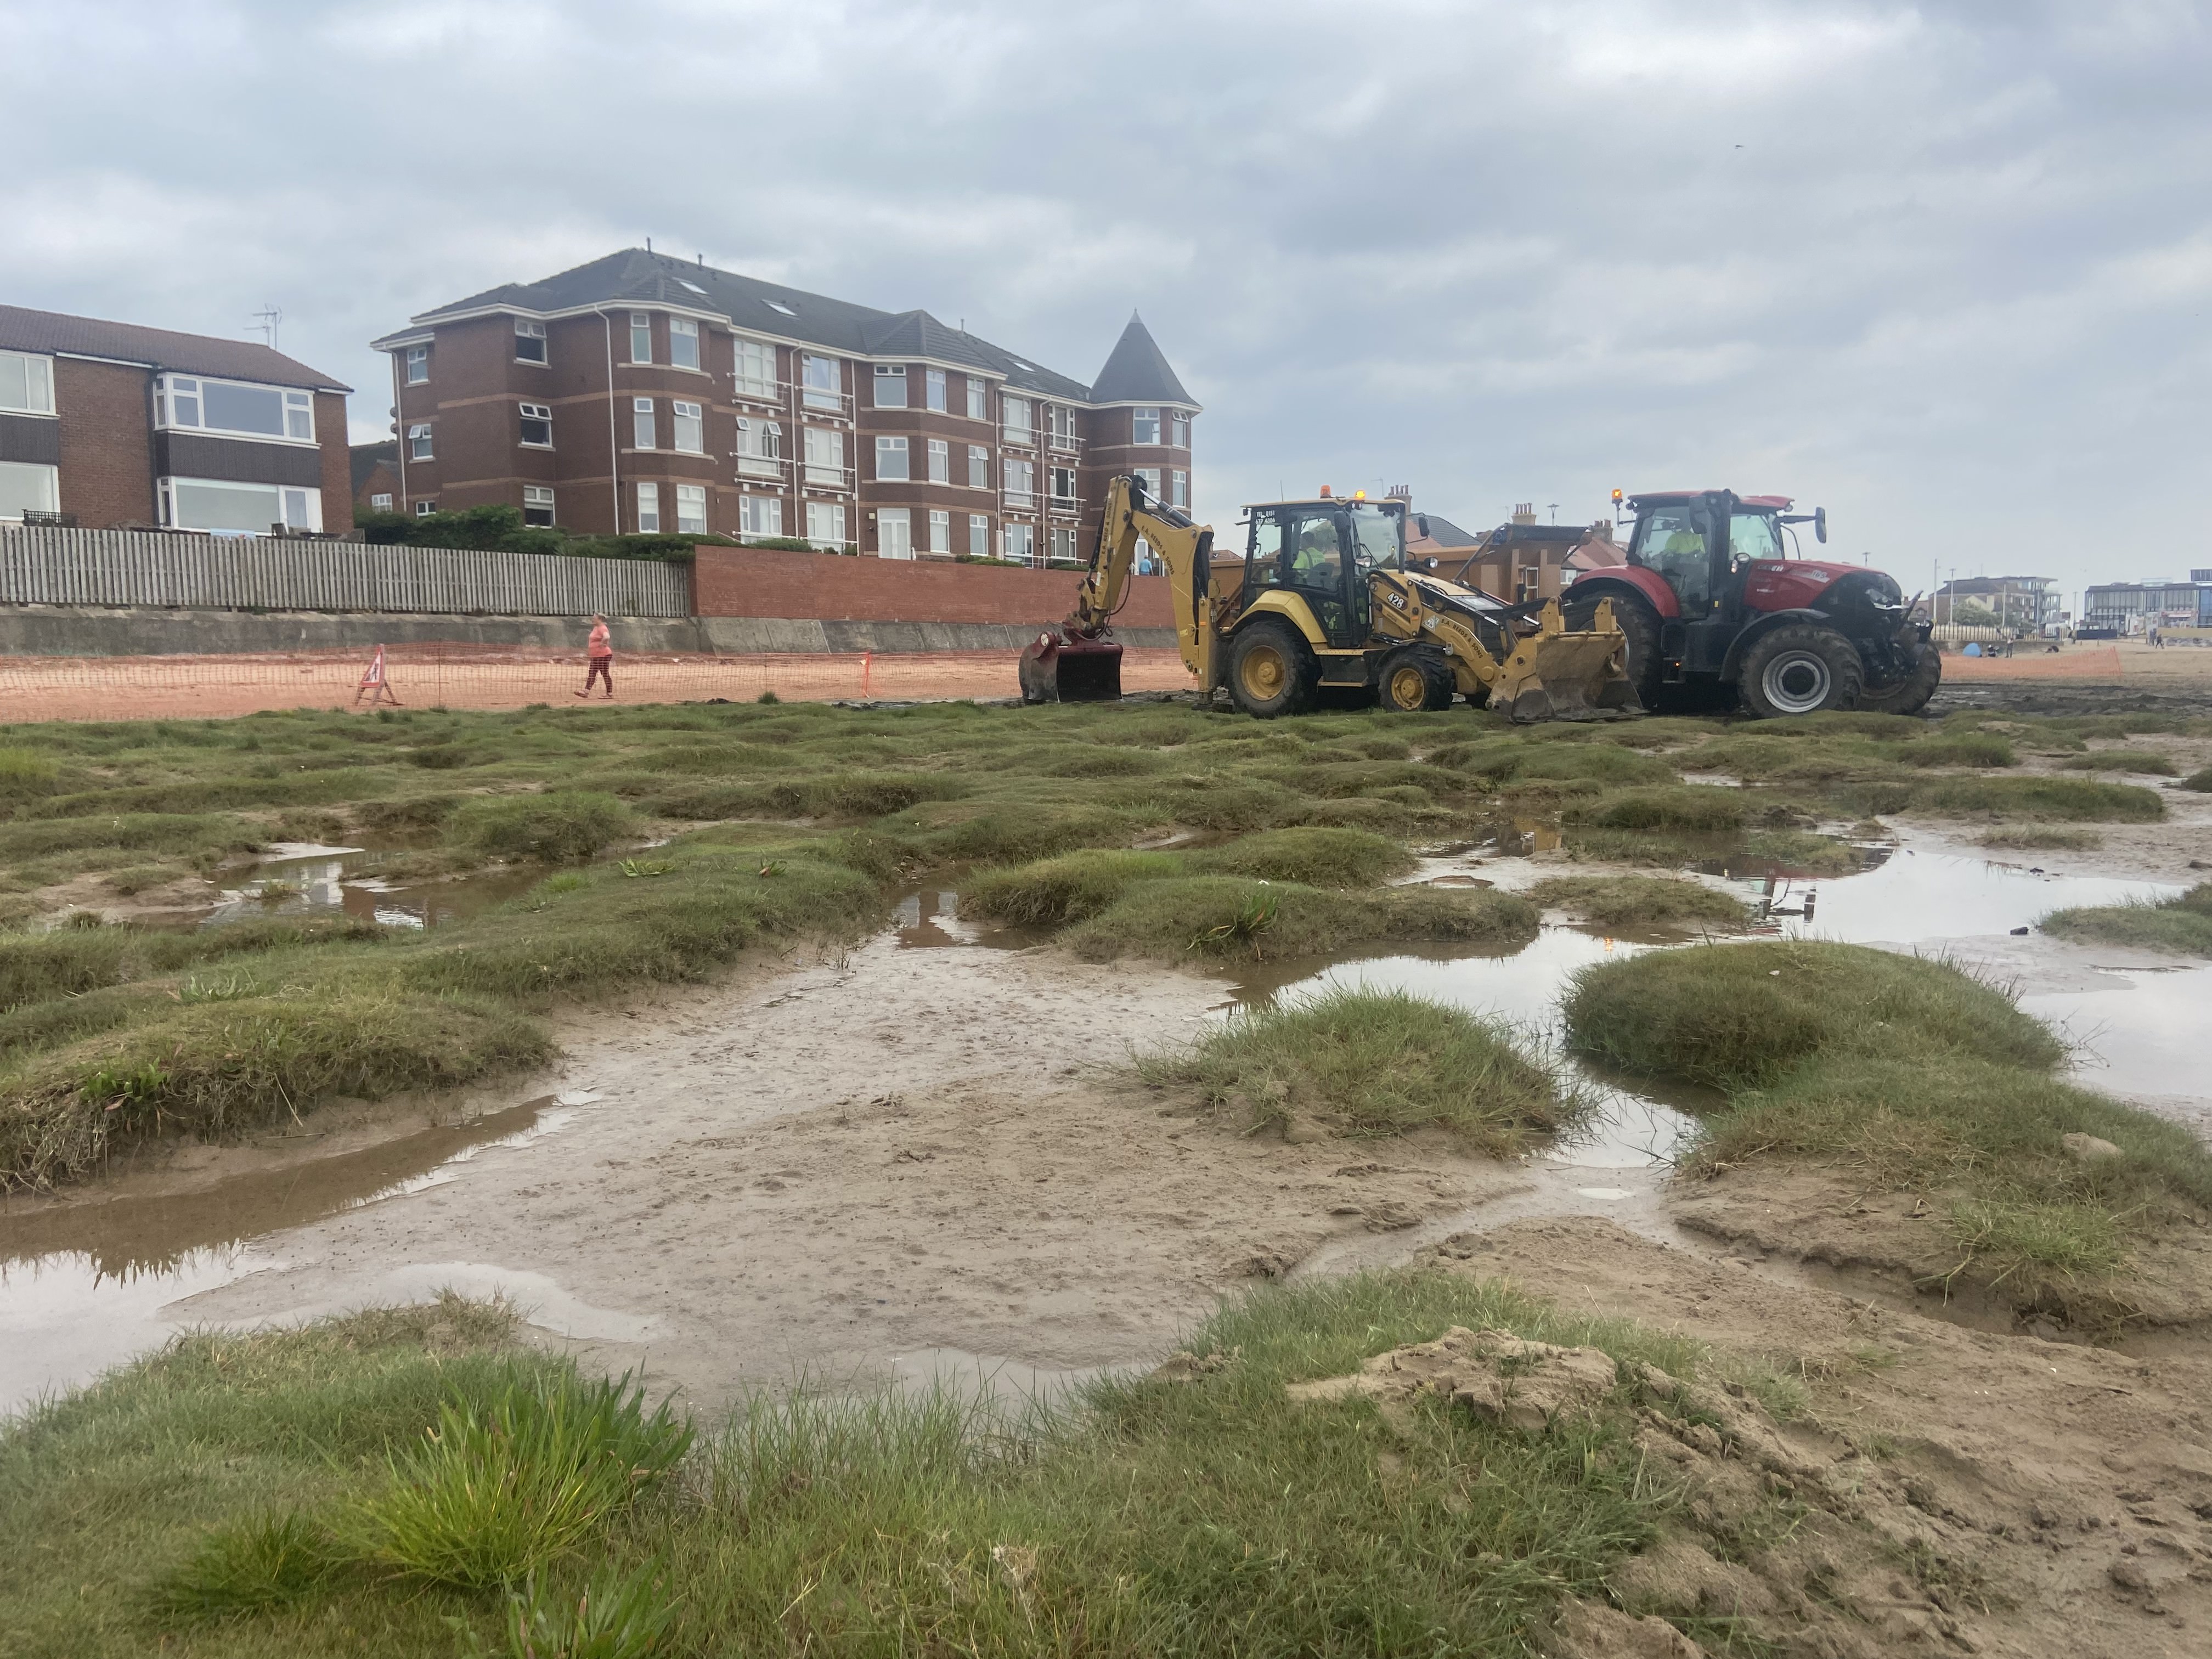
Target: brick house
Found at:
x=376, y=477
x=111, y=424
x=642, y=392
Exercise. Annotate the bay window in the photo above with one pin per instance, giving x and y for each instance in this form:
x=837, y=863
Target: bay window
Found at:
x=761, y=515
x=823, y=386
x=692, y=509
x=756, y=373
x=976, y=393
x=683, y=343
x=825, y=456
x=891, y=385
x=1179, y=430
x=642, y=432
x=1015, y=411
x=648, y=509
x=940, y=461
x=641, y=337
x=934, y=382
x=1021, y=483
x=979, y=467
x=1144, y=426
x=1178, y=490
x=941, y=532
x=759, y=447
x=979, y=536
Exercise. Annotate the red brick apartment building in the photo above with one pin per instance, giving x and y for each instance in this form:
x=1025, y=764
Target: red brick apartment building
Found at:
x=109, y=423
x=641, y=392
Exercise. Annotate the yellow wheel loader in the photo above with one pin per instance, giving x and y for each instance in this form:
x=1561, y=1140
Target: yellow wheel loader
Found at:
x=1323, y=595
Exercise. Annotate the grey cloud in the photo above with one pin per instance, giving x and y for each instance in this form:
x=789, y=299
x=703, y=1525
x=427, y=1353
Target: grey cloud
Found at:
x=1944, y=268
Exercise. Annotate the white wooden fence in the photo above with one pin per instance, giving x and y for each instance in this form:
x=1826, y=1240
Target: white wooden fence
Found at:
x=41, y=565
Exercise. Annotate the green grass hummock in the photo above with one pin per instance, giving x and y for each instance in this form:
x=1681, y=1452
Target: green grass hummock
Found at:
x=2181, y=924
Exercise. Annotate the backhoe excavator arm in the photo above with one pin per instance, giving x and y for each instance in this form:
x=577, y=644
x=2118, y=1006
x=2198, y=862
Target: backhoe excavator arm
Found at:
x=1081, y=662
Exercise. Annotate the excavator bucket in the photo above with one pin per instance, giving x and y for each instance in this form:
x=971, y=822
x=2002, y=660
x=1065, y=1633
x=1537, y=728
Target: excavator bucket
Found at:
x=1555, y=674
x=1063, y=667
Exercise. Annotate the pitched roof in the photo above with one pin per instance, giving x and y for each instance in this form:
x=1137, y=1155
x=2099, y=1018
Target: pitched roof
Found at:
x=1137, y=371
x=1442, y=532
x=52, y=331
x=364, y=458
x=638, y=277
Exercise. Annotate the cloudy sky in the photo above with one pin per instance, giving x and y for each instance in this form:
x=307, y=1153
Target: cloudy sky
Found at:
x=1946, y=269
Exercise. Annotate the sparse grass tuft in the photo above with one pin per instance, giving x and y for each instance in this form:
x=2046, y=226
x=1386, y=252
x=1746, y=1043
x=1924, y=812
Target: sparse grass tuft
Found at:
x=1312, y=856
x=558, y=827
x=2200, y=780
x=2031, y=838
x=2140, y=761
x=1375, y=1062
x=1073, y=887
x=1631, y=901
x=1685, y=806
x=251, y=1566
x=2066, y=800
x=1224, y=916
x=2182, y=925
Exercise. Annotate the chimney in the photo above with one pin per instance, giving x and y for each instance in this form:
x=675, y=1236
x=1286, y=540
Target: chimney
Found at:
x=1524, y=513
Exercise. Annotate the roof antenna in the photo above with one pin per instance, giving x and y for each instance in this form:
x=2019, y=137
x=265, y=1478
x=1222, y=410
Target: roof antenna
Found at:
x=648, y=244
x=266, y=320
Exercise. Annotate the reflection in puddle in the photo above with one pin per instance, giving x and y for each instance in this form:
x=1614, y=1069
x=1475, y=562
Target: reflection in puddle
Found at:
x=929, y=917
x=1912, y=898
x=322, y=881
x=2148, y=1043
x=83, y=1285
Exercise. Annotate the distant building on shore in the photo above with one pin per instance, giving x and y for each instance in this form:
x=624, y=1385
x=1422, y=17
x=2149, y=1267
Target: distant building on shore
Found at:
x=2021, y=604
x=1518, y=561
x=2136, y=607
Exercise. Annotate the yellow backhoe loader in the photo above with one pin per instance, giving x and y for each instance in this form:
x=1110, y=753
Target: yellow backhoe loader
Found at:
x=1323, y=595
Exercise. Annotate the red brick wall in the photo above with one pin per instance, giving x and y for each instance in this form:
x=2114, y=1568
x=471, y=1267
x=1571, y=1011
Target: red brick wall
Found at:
x=337, y=461
x=108, y=442
x=761, y=581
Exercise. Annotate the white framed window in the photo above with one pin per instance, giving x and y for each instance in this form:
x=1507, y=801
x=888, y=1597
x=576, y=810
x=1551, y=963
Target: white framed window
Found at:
x=760, y=447
x=689, y=421
x=756, y=369
x=979, y=467
x=26, y=384
x=648, y=509
x=1060, y=420
x=25, y=487
x=1063, y=543
x=940, y=461
x=1178, y=490
x=642, y=434
x=825, y=457
x=1144, y=426
x=891, y=385
x=424, y=509
x=690, y=510
x=890, y=460
x=979, y=536
x=641, y=337
x=536, y=426
x=1151, y=475
x=825, y=524
x=1021, y=481
x=234, y=407
x=934, y=388
x=233, y=508
x=683, y=343
x=529, y=341
x=976, y=394
x=1179, y=430
x=941, y=532
x=760, y=515
x=1015, y=413
x=418, y=364
x=1063, y=484
x=537, y=504
x=1020, y=543
x=418, y=442
x=821, y=385
x=379, y=503
x=895, y=533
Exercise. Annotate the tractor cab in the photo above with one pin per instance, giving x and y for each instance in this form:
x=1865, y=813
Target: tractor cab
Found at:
x=1720, y=559
x=1326, y=552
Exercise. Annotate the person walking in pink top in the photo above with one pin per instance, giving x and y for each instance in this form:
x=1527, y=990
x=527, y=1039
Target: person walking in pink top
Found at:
x=601, y=652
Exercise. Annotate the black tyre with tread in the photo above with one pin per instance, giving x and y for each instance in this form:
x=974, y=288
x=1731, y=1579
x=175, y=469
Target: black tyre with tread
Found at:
x=1414, y=680
x=1908, y=696
x=1272, y=670
x=1800, y=669
x=1639, y=625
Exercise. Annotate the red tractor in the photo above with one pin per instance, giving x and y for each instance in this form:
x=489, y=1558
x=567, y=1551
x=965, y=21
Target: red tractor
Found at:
x=1710, y=599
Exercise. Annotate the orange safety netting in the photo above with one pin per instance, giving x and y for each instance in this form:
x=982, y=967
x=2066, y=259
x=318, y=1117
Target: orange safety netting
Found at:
x=464, y=675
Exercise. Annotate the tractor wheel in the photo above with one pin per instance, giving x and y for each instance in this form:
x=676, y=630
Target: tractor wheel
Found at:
x=1271, y=670
x=1909, y=695
x=1638, y=624
x=1414, y=681
x=1799, y=671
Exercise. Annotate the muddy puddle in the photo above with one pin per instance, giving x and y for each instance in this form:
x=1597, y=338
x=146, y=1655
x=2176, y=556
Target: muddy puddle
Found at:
x=84, y=1285
x=363, y=883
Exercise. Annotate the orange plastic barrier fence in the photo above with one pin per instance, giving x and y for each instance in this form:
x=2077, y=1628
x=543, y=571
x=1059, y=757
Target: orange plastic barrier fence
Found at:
x=464, y=675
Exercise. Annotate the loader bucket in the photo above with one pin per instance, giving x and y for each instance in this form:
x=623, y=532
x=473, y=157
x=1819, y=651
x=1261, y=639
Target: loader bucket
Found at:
x=1057, y=667
x=1557, y=674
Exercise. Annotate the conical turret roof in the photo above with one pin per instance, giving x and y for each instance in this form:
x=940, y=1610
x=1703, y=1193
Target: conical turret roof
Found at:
x=1136, y=371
